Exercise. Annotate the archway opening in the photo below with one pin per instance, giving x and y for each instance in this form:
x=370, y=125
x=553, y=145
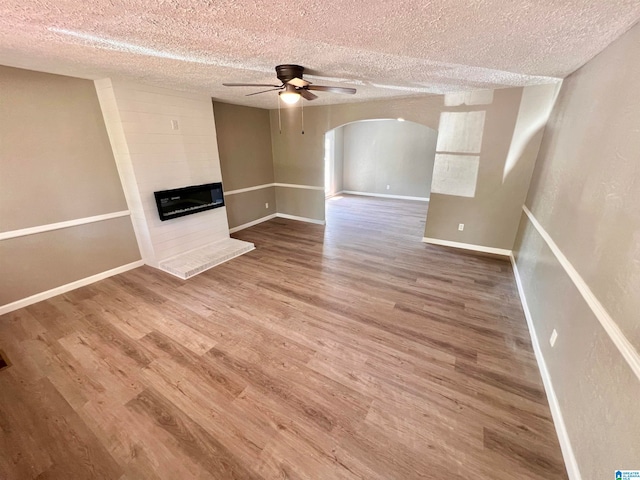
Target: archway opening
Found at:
x=388, y=162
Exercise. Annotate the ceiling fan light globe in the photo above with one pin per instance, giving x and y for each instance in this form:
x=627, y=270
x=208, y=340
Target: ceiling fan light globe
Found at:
x=290, y=97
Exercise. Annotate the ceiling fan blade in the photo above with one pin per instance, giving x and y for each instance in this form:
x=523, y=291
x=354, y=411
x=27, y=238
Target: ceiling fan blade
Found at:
x=304, y=93
x=263, y=91
x=250, y=85
x=298, y=82
x=322, y=88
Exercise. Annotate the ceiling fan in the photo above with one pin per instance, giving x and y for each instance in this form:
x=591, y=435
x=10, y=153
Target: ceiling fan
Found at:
x=293, y=86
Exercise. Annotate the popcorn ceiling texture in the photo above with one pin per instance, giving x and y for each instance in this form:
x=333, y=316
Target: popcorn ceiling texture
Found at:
x=382, y=48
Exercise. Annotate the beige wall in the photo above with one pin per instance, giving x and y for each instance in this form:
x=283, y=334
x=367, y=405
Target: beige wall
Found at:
x=483, y=214
x=378, y=153
x=338, y=159
x=299, y=159
x=585, y=193
x=490, y=217
x=56, y=165
x=246, y=207
x=301, y=203
x=36, y=263
x=507, y=147
x=244, y=144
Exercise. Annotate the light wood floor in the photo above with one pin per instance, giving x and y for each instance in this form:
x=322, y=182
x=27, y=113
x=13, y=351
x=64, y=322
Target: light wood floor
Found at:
x=348, y=352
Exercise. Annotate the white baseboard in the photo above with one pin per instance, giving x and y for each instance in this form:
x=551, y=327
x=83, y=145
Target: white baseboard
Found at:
x=274, y=215
x=561, y=430
x=467, y=246
x=252, y=223
x=300, y=219
x=384, y=195
x=38, y=297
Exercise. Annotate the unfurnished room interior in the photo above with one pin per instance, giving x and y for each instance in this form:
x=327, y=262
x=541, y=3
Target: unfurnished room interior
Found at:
x=320, y=240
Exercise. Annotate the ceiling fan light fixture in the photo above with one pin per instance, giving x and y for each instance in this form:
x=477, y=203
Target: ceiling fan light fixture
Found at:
x=292, y=86
x=290, y=97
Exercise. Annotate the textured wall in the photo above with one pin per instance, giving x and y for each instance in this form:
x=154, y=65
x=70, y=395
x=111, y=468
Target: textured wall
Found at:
x=244, y=144
x=56, y=165
x=37, y=263
x=585, y=193
x=338, y=159
x=246, y=207
x=301, y=202
x=588, y=179
x=54, y=150
x=506, y=148
x=298, y=159
x=484, y=132
x=388, y=152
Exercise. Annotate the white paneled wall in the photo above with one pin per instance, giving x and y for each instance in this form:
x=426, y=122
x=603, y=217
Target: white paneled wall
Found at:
x=153, y=156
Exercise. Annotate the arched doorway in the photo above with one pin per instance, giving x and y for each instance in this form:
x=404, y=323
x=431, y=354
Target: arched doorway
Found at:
x=380, y=158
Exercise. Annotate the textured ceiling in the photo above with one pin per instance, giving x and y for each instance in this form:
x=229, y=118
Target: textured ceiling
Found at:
x=382, y=48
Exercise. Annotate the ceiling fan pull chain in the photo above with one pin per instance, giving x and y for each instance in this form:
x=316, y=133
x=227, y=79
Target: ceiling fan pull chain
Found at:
x=279, y=119
x=302, y=112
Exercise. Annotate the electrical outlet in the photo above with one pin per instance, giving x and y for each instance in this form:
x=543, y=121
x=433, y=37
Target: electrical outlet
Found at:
x=554, y=337
x=266, y=205
x=174, y=125
x=460, y=227
x=388, y=187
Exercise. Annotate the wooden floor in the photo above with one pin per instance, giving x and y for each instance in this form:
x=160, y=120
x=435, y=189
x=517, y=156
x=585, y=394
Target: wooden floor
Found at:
x=348, y=352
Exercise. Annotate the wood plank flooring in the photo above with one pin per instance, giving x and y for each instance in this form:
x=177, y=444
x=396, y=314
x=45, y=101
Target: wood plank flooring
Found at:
x=351, y=351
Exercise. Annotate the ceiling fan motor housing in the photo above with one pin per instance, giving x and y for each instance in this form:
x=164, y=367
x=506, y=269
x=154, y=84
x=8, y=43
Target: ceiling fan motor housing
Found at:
x=291, y=80
x=289, y=72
